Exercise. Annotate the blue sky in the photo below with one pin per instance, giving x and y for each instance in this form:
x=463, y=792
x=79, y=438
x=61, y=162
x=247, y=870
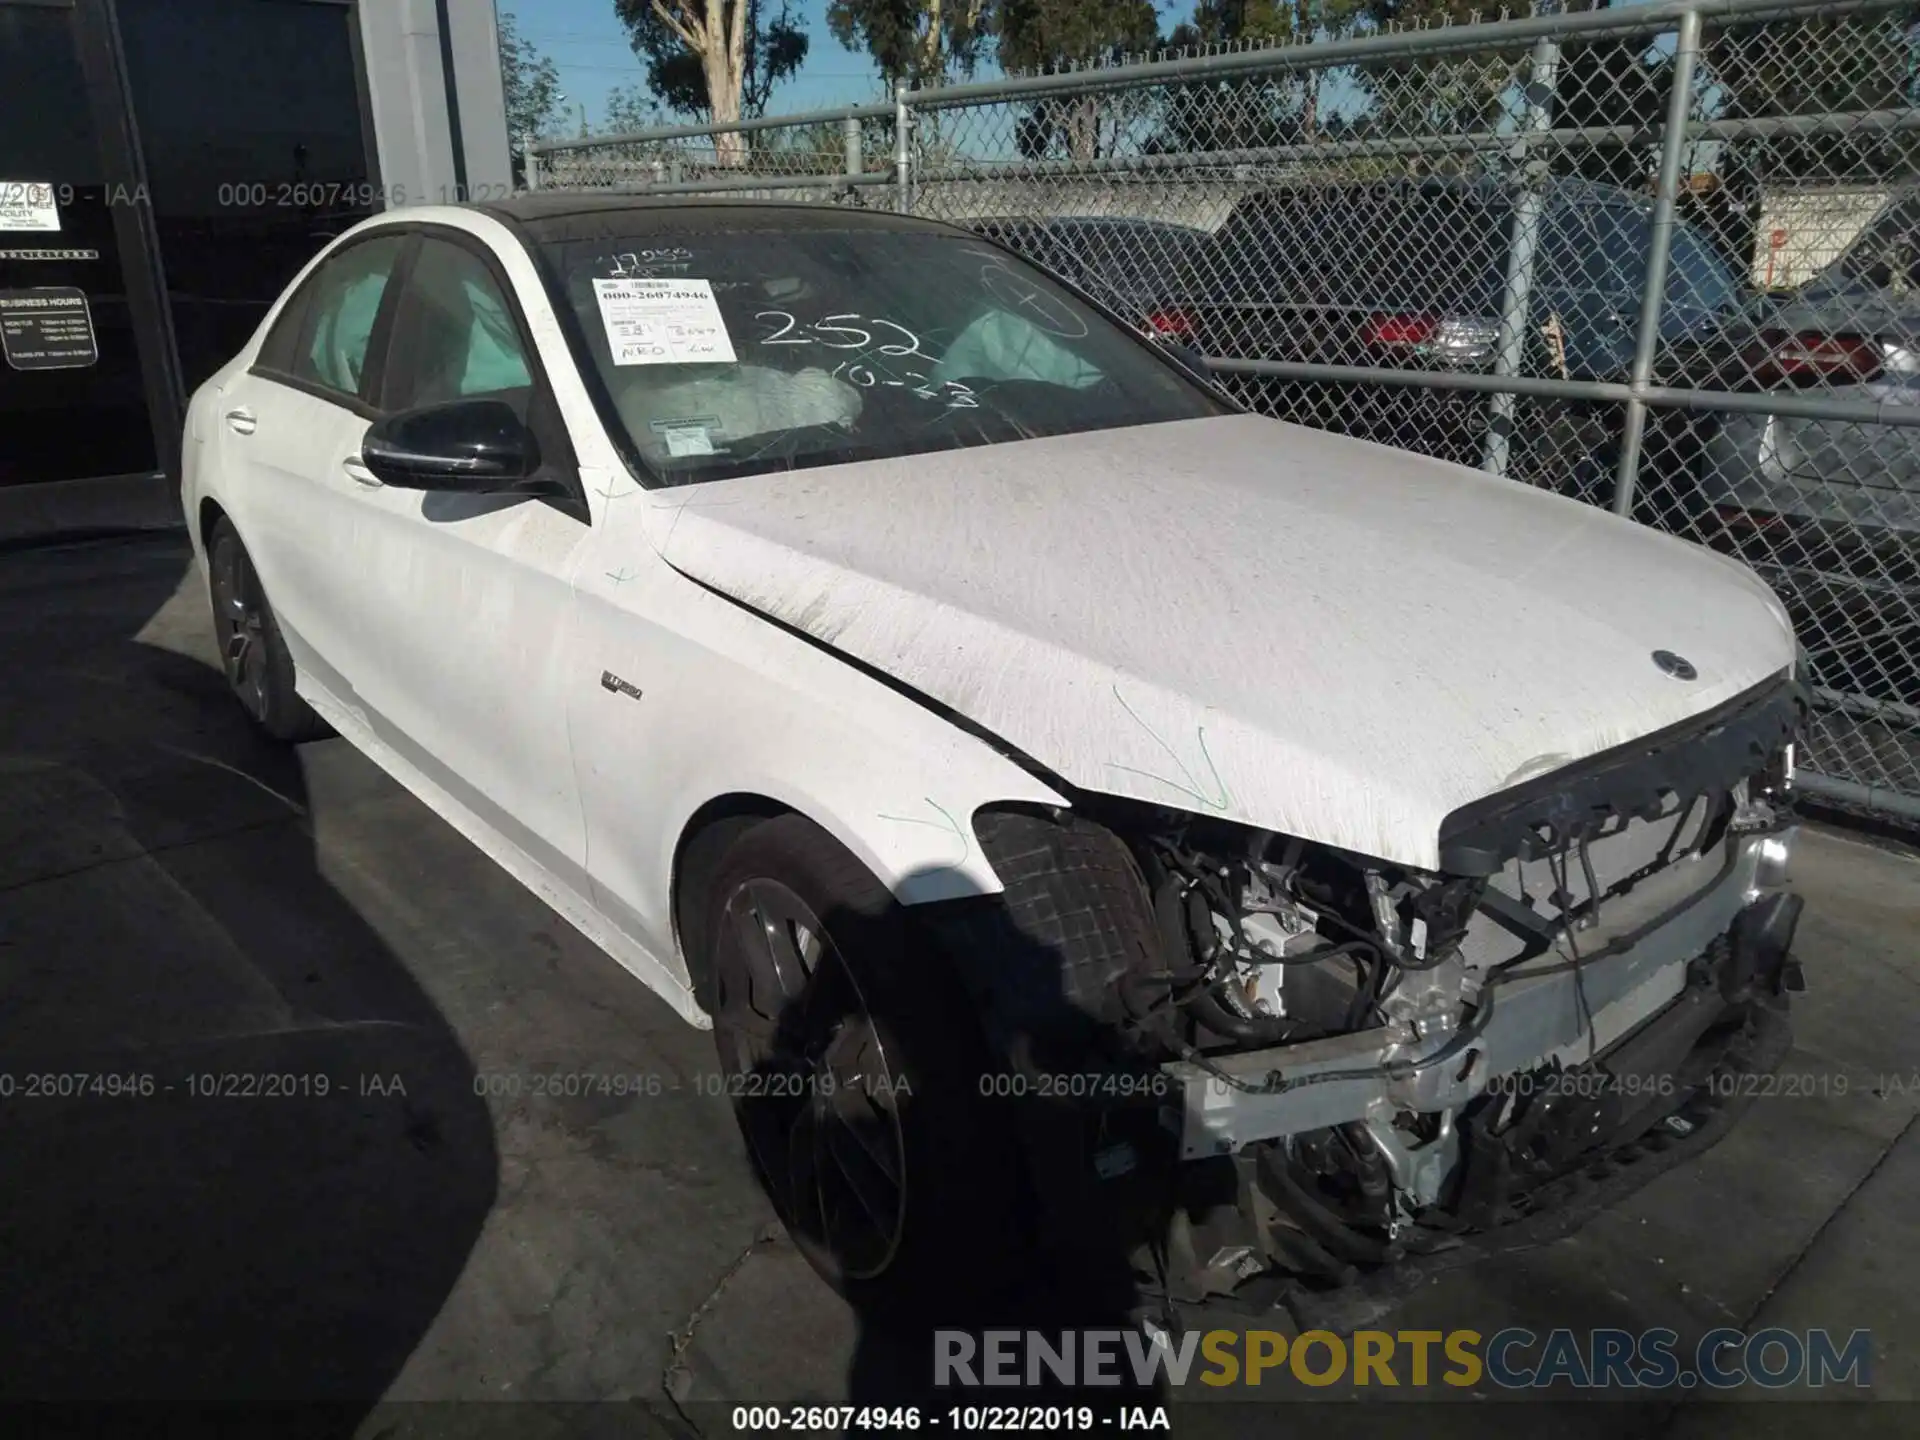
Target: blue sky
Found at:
x=589, y=45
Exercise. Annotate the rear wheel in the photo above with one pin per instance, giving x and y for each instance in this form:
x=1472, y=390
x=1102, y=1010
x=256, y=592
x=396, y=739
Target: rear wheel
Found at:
x=855, y=1072
x=254, y=656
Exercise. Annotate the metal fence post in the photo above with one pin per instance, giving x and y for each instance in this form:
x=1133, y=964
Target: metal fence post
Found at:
x=529, y=161
x=1543, y=72
x=850, y=139
x=903, y=149
x=1666, y=196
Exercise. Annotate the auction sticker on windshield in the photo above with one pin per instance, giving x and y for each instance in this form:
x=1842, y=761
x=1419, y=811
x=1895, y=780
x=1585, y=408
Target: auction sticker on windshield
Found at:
x=662, y=322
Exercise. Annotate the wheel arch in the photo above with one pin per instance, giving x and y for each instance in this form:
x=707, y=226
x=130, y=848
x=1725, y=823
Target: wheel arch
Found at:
x=706, y=836
x=211, y=513
x=713, y=826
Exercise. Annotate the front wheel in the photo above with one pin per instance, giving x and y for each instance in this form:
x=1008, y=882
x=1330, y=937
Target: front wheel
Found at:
x=855, y=1073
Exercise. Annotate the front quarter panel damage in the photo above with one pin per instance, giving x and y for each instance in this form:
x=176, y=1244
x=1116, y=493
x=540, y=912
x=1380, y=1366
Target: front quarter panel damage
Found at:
x=733, y=706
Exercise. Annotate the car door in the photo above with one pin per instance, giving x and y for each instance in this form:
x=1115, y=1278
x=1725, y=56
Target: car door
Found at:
x=464, y=602
x=290, y=427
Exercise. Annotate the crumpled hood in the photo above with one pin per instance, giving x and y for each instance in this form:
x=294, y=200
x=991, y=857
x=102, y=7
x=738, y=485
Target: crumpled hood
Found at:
x=1244, y=618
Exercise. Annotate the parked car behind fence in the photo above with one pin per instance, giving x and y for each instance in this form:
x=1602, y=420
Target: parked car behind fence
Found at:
x=1829, y=510
x=1412, y=275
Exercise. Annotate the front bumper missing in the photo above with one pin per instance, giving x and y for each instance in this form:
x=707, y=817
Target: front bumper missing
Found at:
x=1552, y=1211
x=1635, y=965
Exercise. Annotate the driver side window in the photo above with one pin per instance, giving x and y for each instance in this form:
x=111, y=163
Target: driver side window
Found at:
x=454, y=335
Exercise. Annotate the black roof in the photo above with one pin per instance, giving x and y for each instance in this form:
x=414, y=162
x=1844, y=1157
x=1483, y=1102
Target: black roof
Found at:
x=555, y=215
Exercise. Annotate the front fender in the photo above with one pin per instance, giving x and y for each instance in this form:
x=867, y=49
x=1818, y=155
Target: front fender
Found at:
x=734, y=706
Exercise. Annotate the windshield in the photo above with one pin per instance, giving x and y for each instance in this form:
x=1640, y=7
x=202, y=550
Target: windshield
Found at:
x=734, y=352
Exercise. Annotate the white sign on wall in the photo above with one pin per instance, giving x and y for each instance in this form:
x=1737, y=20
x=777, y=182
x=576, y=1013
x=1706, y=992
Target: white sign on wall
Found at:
x=28, y=205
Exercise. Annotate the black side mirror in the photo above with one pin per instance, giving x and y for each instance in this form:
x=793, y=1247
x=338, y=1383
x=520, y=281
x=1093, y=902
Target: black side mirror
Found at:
x=474, y=446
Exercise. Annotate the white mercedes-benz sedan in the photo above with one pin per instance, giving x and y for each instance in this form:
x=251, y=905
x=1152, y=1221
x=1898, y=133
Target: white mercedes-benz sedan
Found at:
x=1086, y=813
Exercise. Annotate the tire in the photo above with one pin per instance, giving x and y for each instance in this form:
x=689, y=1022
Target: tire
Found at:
x=856, y=1074
x=253, y=655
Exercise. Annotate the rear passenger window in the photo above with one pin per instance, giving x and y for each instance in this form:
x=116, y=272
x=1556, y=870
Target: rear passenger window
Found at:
x=323, y=335
x=454, y=334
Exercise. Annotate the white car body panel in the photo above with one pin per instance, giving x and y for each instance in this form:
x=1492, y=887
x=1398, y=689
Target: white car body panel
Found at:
x=494, y=714
x=732, y=705
x=1244, y=618
x=561, y=891
x=484, y=687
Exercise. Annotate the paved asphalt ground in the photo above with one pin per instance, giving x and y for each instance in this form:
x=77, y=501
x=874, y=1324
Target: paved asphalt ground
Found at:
x=179, y=899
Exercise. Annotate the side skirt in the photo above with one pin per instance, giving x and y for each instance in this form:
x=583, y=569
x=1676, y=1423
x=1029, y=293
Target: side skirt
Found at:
x=359, y=731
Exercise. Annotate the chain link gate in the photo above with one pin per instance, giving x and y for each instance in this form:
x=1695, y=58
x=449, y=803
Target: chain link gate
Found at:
x=1663, y=258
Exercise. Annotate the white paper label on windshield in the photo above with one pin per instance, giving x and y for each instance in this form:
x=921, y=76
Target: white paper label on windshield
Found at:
x=663, y=322
x=687, y=440
x=28, y=205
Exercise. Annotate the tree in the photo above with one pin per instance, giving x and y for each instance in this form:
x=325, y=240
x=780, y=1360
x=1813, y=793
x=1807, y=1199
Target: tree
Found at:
x=1040, y=35
x=1437, y=94
x=531, y=82
x=913, y=42
x=1049, y=34
x=718, y=59
x=1254, y=111
x=631, y=108
x=1278, y=22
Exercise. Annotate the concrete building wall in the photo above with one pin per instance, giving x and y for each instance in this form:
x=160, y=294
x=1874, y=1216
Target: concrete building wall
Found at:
x=408, y=65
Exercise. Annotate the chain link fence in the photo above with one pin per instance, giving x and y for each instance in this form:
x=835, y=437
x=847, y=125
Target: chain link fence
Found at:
x=1663, y=258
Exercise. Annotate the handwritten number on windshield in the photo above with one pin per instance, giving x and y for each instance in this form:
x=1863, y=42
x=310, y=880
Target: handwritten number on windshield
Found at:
x=837, y=332
x=826, y=327
x=630, y=264
x=912, y=346
x=779, y=337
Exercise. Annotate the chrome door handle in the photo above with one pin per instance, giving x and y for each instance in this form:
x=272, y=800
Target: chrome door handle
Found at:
x=241, y=422
x=357, y=468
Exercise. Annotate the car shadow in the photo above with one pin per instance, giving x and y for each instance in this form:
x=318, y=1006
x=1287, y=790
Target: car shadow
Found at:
x=246, y=1162
x=1072, y=1241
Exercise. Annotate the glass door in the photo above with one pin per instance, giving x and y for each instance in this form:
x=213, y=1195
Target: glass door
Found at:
x=73, y=393
x=253, y=136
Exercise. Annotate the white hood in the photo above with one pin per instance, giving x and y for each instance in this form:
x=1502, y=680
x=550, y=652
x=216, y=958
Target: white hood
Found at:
x=1244, y=618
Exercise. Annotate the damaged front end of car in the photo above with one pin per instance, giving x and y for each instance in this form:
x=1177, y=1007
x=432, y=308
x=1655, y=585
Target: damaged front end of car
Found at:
x=1324, y=1073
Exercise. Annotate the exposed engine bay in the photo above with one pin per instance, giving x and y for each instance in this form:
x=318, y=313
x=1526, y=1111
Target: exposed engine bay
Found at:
x=1366, y=1063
